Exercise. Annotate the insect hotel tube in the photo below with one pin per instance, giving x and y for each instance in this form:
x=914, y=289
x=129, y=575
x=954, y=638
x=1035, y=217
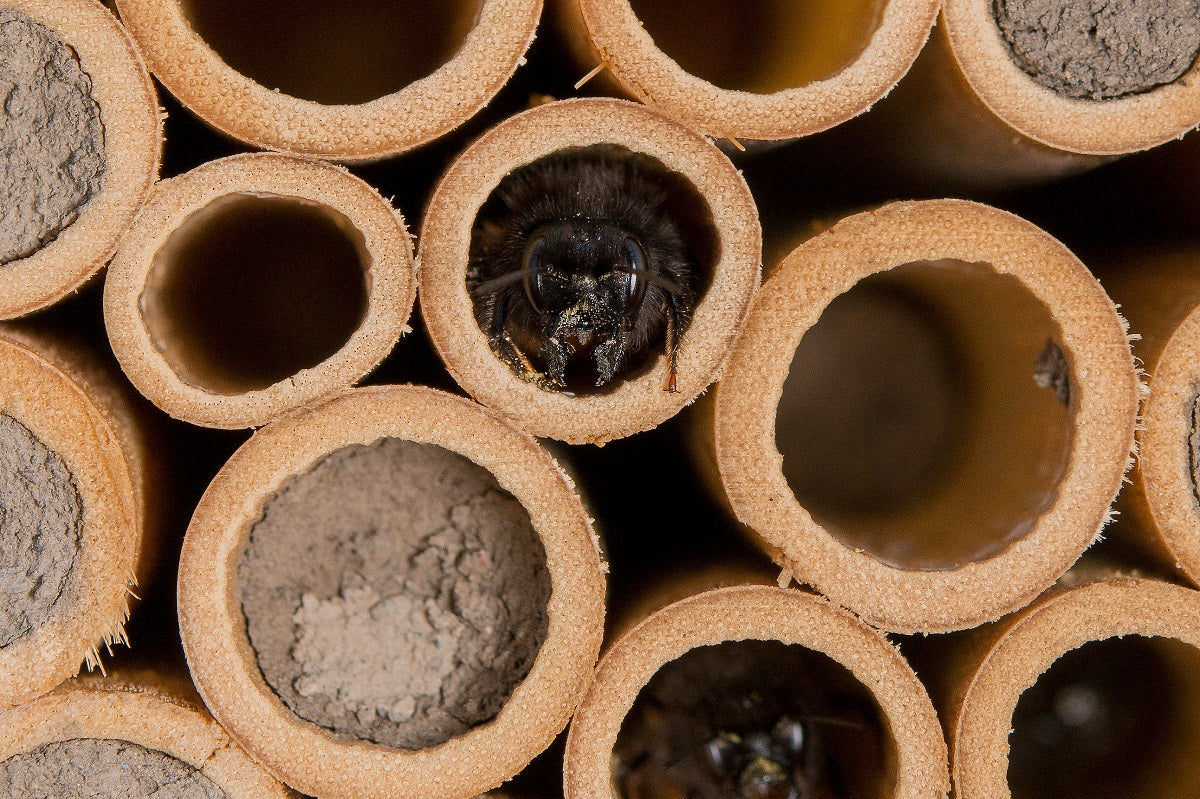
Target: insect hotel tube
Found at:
x=754, y=691
x=683, y=190
x=1092, y=691
x=394, y=594
x=255, y=284
x=113, y=738
x=928, y=414
x=375, y=79
x=1010, y=93
x=81, y=138
x=73, y=485
x=764, y=71
x=1157, y=287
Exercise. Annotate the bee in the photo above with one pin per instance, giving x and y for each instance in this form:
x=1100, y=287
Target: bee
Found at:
x=578, y=264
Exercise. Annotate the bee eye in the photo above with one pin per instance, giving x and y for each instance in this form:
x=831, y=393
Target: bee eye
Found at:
x=635, y=284
x=533, y=270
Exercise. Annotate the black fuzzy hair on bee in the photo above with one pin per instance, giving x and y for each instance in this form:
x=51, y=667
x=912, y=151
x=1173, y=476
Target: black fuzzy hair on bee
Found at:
x=578, y=259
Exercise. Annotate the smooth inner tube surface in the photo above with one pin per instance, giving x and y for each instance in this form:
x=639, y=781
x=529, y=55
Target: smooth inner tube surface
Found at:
x=926, y=418
x=348, y=52
x=252, y=288
x=1114, y=718
x=394, y=593
x=761, y=46
x=751, y=719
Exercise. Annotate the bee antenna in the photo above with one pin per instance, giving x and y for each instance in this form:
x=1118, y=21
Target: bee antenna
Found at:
x=497, y=283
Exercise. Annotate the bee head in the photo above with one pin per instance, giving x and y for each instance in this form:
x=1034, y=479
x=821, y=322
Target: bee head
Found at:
x=584, y=278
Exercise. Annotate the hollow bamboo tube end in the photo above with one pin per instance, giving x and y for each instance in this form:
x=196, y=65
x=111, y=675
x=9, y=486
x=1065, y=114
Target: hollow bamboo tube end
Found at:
x=356, y=89
x=132, y=734
x=639, y=401
x=1109, y=126
x=914, y=759
x=74, y=512
x=967, y=453
x=1057, y=668
x=255, y=284
x=754, y=71
x=220, y=567
x=111, y=137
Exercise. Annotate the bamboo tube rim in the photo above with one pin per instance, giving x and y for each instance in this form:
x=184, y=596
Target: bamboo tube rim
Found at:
x=258, y=115
x=1105, y=127
x=1163, y=447
x=66, y=420
x=159, y=723
x=791, y=301
x=388, y=275
x=1032, y=643
x=623, y=46
x=749, y=613
x=129, y=112
x=636, y=404
x=224, y=665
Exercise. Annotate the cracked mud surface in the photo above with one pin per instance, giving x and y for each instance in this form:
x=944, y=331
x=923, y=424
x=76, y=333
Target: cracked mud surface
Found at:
x=41, y=516
x=395, y=594
x=51, y=137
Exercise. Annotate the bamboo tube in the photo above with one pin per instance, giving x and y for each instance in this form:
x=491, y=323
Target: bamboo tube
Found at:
x=758, y=71
x=81, y=138
x=969, y=112
x=255, y=284
x=372, y=80
x=351, y=674
x=928, y=415
x=74, y=485
x=1091, y=691
x=864, y=716
x=1158, y=289
x=720, y=231
x=120, y=739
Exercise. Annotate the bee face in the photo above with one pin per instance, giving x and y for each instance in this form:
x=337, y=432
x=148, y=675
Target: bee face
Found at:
x=578, y=262
x=764, y=765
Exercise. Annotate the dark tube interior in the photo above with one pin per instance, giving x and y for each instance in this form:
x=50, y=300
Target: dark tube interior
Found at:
x=1115, y=718
x=253, y=288
x=927, y=415
x=754, y=719
x=761, y=46
x=351, y=51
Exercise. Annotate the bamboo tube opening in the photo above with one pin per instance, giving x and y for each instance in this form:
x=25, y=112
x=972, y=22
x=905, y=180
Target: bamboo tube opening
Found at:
x=392, y=594
x=104, y=738
x=766, y=71
x=81, y=139
x=754, y=691
x=364, y=51
x=738, y=717
x=1093, y=690
x=72, y=512
x=997, y=383
x=681, y=211
x=660, y=200
x=1113, y=718
x=761, y=47
x=255, y=284
x=419, y=601
x=927, y=415
x=252, y=288
x=356, y=81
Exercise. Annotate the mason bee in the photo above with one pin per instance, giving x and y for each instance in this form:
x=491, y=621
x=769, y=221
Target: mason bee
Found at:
x=578, y=264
